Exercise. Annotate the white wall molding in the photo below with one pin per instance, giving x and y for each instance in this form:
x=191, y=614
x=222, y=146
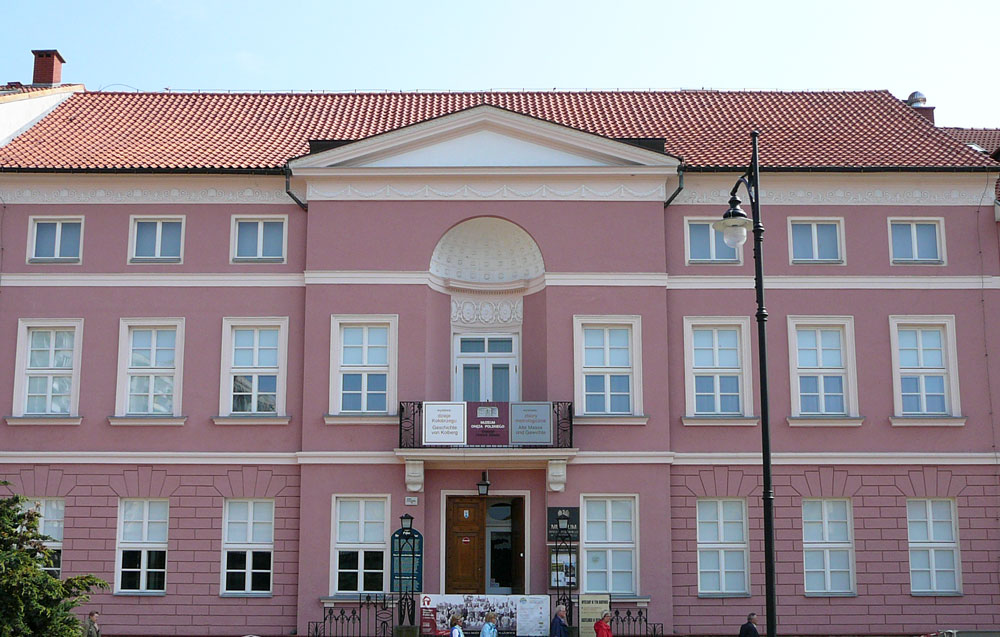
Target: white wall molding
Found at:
x=153, y=279
x=146, y=457
x=82, y=188
x=848, y=189
x=489, y=187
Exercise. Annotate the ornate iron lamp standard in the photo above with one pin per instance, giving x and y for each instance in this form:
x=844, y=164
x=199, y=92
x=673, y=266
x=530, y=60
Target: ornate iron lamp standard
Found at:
x=564, y=580
x=734, y=225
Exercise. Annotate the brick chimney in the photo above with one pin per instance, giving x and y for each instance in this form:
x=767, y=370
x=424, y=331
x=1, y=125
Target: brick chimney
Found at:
x=918, y=102
x=48, y=67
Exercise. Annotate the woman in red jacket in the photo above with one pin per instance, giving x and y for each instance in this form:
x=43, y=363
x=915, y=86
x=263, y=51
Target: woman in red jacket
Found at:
x=603, y=625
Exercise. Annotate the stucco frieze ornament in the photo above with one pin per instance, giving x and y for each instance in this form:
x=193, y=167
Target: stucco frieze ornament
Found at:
x=486, y=311
x=414, y=476
x=555, y=475
x=896, y=196
x=504, y=191
x=146, y=192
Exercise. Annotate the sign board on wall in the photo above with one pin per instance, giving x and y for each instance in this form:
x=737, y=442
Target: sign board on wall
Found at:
x=531, y=424
x=488, y=424
x=524, y=614
x=591, y=608
x=573, y=523
x=444, y=424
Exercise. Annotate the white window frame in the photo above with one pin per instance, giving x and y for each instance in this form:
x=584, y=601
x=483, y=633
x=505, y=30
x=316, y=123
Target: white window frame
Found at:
x=229, y=324
x=826, y=545
x=633, y=323
x=941, y=242
x=337, y=323
x=360, y=546
x=687, y=244
x=260, y=219
x=55, y=544
x=721, y=546
x=608, y=546
x=846, y=326
x=932, y=545
x=158, y=219
x=745, y=371
x=34, y=220
x=144, y=546
x=249, y=547
x=812, y=221
x=24, y=326
x=945, y=322
x=125, y=327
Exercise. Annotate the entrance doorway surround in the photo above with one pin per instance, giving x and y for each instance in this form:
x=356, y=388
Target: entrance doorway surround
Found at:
x=443, y=546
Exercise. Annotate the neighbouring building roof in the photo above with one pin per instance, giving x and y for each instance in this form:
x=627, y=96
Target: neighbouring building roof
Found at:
x=210, y=132
x=986, y=138
x=16, y=88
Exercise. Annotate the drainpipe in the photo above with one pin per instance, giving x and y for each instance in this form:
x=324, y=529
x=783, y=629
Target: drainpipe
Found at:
x=680, y=184
x=302, y=204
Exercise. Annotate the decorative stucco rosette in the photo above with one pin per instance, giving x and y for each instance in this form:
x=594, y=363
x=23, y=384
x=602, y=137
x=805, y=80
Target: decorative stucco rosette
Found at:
x=486, y=310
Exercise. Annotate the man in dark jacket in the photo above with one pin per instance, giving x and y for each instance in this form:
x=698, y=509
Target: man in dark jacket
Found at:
x=749, y=629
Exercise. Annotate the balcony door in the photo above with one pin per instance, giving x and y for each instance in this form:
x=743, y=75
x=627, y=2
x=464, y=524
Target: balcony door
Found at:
x=486, y=368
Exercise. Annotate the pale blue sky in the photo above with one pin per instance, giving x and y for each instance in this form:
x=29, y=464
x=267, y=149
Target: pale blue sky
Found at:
x=946, y=49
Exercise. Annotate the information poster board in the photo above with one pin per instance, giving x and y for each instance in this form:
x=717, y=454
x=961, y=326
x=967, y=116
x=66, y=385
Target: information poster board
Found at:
x=562, y=567
x=527, y=615
x=531, y=424
x=444, y=424
x=487, y=424
x=591, y=608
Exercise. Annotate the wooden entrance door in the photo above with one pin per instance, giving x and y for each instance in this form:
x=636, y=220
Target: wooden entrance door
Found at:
x=465, y=550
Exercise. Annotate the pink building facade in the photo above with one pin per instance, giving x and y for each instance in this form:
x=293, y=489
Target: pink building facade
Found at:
x=205, y=378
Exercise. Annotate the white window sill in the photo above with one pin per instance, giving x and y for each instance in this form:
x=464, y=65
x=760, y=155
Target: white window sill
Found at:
x=713, y=262
x=148, y=260
x=360, y=419
x=146, y=421
x=825, y=421
x=917, y=262
x=927, y=421
x=44, y=420
x=721, y=595
x=844, y=594
x=233, y=594
x=818, y=262
x=237, y=260
x=51, y=260
x=140, y=593
x=936, y=593
x=610, y=419
x=251, y=420
x=719, y=421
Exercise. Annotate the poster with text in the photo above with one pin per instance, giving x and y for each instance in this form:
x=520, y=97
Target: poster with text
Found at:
x=444, y=424
x=591, y=608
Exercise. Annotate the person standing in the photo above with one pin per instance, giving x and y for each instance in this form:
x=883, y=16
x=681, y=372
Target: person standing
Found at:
x=490, y=627
x=749, y=629
x=91, y=628
x=559, y=627
x=456, y=626
x=602, y=627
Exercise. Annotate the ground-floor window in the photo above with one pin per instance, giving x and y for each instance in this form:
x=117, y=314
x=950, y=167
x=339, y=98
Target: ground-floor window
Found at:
x=359, y=544
x=248, y=549
x=142, y=546
x=609, y=549
x=934, y=563
x=722, y=547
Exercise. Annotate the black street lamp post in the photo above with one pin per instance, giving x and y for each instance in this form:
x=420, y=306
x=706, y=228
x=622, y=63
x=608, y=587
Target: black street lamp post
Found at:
x=734, y=226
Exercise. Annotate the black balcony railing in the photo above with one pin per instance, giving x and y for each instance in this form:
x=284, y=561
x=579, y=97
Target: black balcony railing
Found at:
x=411, y=422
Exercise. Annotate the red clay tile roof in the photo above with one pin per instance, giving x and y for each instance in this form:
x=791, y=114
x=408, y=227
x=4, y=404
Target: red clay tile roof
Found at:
x=261, y=131
x=988, y=138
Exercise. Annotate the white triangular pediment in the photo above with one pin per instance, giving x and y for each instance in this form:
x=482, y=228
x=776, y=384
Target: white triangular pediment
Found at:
x=484, y=137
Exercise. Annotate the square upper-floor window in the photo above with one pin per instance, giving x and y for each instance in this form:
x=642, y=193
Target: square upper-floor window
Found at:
x=156, y=239
x=917, y=240
x=259, y=239
x=55, y=240
x=704, y=245
x=816, y=240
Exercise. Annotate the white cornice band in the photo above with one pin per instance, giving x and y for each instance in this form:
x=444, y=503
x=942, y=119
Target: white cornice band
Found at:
x=561, y=279
x=582, y=457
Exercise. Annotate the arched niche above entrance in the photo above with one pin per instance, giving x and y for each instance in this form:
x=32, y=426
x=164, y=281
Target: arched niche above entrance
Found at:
x=487, y=254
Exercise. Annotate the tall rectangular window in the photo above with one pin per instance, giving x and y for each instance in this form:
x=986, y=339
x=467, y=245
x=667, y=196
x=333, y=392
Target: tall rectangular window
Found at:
x=933, y=542
x=360, y=544
x=248, y=546
x=823, y=367
x=142, y=546
x=150, y=362
x=816, y=241
x=254, y=366
x=609, y=546
x=55, y=240
x=608, y=365
x=363, y=364
x=705, y=245
x=917, y=240
x=717, y=367
x=261, y=239
x=722, y=547
x=925, y=366
x=51, y=513
x=827, y=546
x=157, y=239
x=47, y=378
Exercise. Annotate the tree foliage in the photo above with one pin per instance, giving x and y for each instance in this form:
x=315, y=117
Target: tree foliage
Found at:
x=33, y=602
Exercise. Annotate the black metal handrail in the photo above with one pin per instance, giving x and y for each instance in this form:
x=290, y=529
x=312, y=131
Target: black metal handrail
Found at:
x=411, y=421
